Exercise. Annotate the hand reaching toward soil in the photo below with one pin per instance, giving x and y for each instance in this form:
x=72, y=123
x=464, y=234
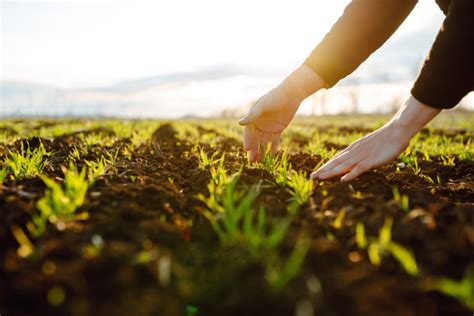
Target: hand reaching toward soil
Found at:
x=266, y=120
x=272, y=113
x=380, y=146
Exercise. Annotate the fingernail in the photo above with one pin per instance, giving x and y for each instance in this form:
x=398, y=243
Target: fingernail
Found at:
x=243, y=120
x=322, y=175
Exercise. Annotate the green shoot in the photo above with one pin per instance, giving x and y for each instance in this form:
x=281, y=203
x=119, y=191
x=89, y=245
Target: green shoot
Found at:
x=401, y=199
x=379, y=247
x=3, y=174
x=97, y=168
x=462, y=290
x=361, y=238
x=26, y=248
x=74, y=155
x=60, y=201
x=291, y=268
x=301, y=188
x=448, y=161
x=206, y=161
x=235, y=221
x=218, y=173
x=26, y=163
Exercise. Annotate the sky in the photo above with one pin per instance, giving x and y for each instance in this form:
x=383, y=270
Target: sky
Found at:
x=81, y=43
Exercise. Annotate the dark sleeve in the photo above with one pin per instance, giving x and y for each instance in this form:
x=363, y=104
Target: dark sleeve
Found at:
x=448, y=72
x=363, y=28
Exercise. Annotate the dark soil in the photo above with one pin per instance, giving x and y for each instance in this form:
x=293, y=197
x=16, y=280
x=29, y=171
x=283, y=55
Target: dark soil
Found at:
x=148, y=205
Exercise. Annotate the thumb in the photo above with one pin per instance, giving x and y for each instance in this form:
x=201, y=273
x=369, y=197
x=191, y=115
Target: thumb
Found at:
x=251, y=116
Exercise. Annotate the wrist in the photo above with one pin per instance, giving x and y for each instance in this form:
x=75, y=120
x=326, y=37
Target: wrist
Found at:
x=301, y=83
x=412, y=117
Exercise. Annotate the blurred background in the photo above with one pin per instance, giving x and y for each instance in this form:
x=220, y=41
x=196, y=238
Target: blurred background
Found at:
x=177, y=58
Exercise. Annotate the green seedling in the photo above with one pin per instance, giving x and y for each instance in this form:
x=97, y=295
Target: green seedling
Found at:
x=382, y=246
x=401, y=199
x=462, y=290
x=301, y=189
x=26, y=248
x=228, y=209
x=279, y=277
x=97, y=168
x=427, y=178
x=205, y=161
x=236, y=222
x=218, y=173
x=409, y=157
x=361, y=238
x=26, y=163
x=268, y=160
x=337, y=223
x=74, y=155
x=298, y=183
x=3, y=174
x=60, y=201
x=277, y=165
x=448, y=161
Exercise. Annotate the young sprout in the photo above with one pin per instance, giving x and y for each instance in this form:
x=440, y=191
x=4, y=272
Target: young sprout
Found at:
x=97, y=168
x=74, y=155
x=206, y=161
x=60, y=201
x=26, y=247
x=462, y=290
x=235, y=221
x=448, y=161
x=277, y=165
x=427, y=178
x=337, y=223
x=384, y=245
x=409, y=158
x=301, y=188
x=401, y=199
x=279, y=278
x=268, y=160
x=26, y=163
x=361, y=238
x=218, y=173
x=228, y=208
x=299, y=184
x=3, y=174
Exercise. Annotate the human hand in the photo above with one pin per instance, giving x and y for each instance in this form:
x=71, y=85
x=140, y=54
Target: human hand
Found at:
x=265, y=121
x=272, y=113
x=380, y=146
x=370, y=151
